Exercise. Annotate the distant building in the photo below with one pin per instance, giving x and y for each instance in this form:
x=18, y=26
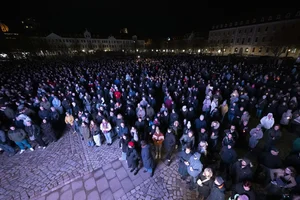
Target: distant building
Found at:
x=87, y=43
x=267, y=36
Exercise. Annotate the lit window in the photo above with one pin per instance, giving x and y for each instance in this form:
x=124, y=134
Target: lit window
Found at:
x=260, y=49
x=253, y=50
x=246, y=50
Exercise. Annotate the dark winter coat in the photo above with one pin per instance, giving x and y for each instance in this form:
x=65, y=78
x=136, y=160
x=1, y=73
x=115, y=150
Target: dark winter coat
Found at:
x=200, y=124
x=47, y=129
x=204, y=190
x=132, y=158
x=228, y=156
x=170, y=141
x=33, y=130
x=17, y=135
x=124, y=144
x=147, y=158
x=239, y=189
x=185, y=141
x=241, y=174
x=217, y=193
x=182, y=167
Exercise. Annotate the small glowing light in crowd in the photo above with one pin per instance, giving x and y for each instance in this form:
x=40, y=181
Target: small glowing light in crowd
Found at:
x=156, y=50
x=289, y=50
x=219, y=51
x=199, y=50
x=224, y=50
x=152, y=50
x=183, y=50
x=247, y=49
x=138, y=56
x=123, y=50
x=137, y=50
x=83, y=50
x=3, y=55
x=105, y=50
x=26, y=26
x=164, y=50
x=172, y=50
x=169, y=39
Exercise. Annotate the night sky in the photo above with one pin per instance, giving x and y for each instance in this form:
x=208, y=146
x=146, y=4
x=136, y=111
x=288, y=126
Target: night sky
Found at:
x=153, y=19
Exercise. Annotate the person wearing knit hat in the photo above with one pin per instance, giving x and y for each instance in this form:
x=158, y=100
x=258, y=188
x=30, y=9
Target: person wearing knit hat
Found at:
x=132, y=158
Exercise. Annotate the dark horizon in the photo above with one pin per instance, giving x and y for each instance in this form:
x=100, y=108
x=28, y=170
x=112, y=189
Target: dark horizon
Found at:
x=146, y=21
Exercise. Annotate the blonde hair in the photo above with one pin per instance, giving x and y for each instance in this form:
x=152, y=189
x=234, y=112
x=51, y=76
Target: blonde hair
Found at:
x=208, y=171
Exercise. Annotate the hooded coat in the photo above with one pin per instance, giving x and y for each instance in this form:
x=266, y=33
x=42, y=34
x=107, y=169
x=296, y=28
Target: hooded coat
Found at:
x=255, y=136
x=170, y=141
x=286, y=117
x=266, y=122
x=195, y=164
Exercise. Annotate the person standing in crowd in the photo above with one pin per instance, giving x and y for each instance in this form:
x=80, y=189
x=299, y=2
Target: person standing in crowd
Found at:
x=268, y=121
x=123, y=144
x=255, y=135
x=4, y=144
x=218, y=190
x=158, y=139
x=205, y=183
x=194, y=169
x=132, y=158
x=105, y=127
x=169, y=145
x=48, y=131
x=19, y=137
x=86, y=134
x=34, y=134
x=69, y=120
x=95, y=132
x=184, y=157
x=147, y=158
x=273, y=136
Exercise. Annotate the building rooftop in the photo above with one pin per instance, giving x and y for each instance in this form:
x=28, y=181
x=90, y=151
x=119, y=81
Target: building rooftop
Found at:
x=258, y=20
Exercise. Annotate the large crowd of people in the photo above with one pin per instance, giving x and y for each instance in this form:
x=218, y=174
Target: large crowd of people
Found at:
x=191, y=108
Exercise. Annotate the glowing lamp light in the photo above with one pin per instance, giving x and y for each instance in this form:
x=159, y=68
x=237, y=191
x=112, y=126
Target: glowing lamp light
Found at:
x=138, y=56
x=172, y=50
x=183, y=50
x=164, y=50
x=137, y=50
x=199, y=50
x=152, y=50
x=219, y=51
x=83, y=50
x=105, y=50
x=156, y=50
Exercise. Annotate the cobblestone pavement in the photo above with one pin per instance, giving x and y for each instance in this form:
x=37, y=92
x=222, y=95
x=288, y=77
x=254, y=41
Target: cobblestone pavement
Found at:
x=34, y=173
x=115, y=182
x=68, y=169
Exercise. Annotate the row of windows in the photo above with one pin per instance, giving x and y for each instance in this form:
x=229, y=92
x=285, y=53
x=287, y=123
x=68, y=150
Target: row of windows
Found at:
x=93, y=41
x=96, y=46
x=250, y=30
x=243, y=40
x=257, y=50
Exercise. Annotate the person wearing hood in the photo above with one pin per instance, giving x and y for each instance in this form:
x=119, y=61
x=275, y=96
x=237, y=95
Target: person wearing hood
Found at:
x=194, y=168
x=268, y=121
x=218, y=190
x=147, y=159
x=169, y=145
x=241, y=170
x=245, y=117
x=255, y=135
x=273, y=135
x=187, y=140
x=48, y=131
x=286, y=118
